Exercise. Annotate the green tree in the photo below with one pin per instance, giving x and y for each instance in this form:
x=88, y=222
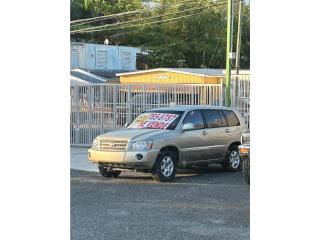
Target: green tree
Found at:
x=200, y=39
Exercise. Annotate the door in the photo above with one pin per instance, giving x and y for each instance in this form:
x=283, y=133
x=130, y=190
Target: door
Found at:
x=233, y=128
x=192, y=142
x=101, y=58
x=217, y=138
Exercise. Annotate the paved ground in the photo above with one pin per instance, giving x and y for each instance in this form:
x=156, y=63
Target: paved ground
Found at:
x=199, y=204
x=79, y=160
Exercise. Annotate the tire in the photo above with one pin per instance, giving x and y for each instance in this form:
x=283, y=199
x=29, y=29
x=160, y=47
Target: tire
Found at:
x=107, y=172
x=232, y=162
x=115, y=173
x=246, y=170
x=165, y=167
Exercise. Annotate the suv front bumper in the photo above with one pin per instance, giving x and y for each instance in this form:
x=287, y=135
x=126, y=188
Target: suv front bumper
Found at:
x=126, y=160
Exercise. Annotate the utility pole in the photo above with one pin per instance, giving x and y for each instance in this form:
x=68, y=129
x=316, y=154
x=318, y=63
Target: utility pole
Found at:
x=228, y=54
x=238, y=46
x=239, y=38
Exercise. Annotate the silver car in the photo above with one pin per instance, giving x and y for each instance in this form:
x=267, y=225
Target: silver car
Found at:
x=161, y=140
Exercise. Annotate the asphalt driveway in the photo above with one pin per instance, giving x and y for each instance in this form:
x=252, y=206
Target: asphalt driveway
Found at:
x=198, y=204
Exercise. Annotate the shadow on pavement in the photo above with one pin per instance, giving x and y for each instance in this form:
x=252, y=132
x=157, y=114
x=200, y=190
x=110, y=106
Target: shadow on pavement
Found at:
x=211, y=175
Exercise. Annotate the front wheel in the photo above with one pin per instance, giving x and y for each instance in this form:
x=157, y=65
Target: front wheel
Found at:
x=232, y=161
x=166, y=166
x=108, y=172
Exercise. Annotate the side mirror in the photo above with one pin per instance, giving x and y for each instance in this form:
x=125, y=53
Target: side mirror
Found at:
x=126, y=125
x=188, y=126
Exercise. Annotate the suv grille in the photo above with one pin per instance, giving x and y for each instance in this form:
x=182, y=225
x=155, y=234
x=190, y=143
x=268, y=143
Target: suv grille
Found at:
x=113, y=145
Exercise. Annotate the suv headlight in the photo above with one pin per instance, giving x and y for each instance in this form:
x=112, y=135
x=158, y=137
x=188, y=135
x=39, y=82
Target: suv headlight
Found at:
x=96, y=144
x=142, y=145
x=245, y=139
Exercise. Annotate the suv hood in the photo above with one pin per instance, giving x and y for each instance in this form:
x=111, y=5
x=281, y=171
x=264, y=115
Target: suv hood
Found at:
x=133, y=134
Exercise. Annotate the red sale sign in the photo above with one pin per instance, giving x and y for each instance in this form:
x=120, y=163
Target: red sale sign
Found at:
x=154, y=120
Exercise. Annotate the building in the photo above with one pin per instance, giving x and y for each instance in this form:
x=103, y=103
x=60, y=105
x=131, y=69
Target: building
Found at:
x=103, y=58
x=176, y=75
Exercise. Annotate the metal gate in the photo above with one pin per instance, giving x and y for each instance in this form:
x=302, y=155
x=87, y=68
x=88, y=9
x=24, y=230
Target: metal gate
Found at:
x=240, y=95
x=96, y=109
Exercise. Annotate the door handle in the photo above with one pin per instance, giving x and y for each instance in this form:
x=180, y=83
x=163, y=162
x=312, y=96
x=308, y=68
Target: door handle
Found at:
x=204, y=133
x=227, y=130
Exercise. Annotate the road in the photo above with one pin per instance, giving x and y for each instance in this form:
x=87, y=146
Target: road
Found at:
x=198, y=204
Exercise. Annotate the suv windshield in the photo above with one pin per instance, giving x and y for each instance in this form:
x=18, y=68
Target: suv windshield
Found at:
x=157, y=120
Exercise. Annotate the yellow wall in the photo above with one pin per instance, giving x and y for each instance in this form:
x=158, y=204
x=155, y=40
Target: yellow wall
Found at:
x=168, y=77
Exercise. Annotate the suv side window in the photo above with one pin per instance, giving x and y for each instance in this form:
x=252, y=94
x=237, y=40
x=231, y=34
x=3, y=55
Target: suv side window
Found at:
x=213, y=118
x=223, y=120
x=194, y=117
x=231, y=118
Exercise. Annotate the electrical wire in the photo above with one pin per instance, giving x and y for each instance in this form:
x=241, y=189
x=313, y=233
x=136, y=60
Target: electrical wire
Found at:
x=102, y=18
x=128, y=32
x=137, y=20
x=216, y=47
x=160, y=21
x=134, y=25
x=187, y=38
x=131, y=12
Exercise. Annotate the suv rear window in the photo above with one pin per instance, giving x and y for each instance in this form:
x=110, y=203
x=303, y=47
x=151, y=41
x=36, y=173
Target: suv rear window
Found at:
x=231, y=118
x=213, y=118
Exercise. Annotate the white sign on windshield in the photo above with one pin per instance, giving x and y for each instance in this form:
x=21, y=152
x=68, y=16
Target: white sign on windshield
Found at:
x=154, y=120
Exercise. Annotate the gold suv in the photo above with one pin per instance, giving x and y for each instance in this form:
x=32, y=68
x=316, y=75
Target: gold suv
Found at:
x=161, y=140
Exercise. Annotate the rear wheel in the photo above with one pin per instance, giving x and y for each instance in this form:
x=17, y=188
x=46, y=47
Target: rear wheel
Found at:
x=166, y=166
x=108, y=172
x=232, y=160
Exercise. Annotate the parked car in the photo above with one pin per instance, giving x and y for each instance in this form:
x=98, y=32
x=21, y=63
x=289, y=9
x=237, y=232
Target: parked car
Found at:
x=161, y=140
x=244, y=150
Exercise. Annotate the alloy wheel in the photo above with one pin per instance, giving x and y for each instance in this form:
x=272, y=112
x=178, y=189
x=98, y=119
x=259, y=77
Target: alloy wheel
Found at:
x=167, y=166
x=234, y=159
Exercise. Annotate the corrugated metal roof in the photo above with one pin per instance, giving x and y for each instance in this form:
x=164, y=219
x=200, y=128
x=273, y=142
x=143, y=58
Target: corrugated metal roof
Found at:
x=108, y=74
x=194, y=71
x=203, y=71
x=83, y=76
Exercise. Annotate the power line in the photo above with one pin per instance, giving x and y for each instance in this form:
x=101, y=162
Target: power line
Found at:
x=134, y=25
x=130, y=12
x=136, y=20
x=102, y=18
x=182, y=40
x=214, y=52
x=106, y=16
x=128, y=32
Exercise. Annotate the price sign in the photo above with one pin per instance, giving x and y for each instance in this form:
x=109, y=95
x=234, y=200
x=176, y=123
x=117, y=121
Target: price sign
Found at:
x=154, y=120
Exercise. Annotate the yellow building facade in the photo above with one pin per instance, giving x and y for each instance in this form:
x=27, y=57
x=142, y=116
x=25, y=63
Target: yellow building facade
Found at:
x=173, y=76
x=150, y=79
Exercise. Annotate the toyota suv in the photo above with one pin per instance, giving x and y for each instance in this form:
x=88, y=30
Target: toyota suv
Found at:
x=161, y=140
